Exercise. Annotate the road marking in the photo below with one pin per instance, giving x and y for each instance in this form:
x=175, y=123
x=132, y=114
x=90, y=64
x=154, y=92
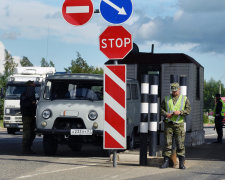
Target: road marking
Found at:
x=77, y=9
x=56, y=171
x=210, y=135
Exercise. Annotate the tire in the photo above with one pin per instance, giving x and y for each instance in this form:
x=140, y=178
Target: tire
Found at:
x=50, y=145
x=11, y=130
x=131, y=141
x=75, y=143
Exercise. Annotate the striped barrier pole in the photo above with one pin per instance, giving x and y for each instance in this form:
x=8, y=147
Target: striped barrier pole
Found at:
x=153, y=100
x=183, y=90
x=144, y=119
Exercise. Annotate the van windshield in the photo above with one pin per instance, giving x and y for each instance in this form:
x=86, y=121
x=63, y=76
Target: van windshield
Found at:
x=74, y=90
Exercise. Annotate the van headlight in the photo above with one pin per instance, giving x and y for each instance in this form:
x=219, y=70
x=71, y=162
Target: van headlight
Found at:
x=92, y=115
x=47, y=113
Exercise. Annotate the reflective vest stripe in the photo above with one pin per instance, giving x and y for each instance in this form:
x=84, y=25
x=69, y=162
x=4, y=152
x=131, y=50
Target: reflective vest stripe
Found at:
x=222, y=111
x=181, y=107
x=170, y=107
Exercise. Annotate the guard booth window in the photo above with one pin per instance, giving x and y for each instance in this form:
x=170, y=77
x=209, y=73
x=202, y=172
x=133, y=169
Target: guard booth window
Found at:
x=198, y=84
x=134, y=91
x=128, y=92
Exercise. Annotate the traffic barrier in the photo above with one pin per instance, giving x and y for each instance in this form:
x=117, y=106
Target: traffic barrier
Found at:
x=144, y=119
x=153, y=100
x=183, y=90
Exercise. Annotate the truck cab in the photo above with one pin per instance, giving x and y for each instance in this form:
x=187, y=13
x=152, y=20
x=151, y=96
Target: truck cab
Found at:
x=71, y=111
x=12, y=118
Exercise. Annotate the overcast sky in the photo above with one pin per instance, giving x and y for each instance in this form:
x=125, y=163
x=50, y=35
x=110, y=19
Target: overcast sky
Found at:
x=36, y=29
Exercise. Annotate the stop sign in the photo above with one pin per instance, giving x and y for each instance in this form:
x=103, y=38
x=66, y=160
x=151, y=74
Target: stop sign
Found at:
x=115, y=42
x=77, y=12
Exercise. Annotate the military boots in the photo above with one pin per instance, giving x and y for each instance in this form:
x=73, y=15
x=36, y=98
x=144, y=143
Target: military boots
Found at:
x=165, y=163
x=181, y=162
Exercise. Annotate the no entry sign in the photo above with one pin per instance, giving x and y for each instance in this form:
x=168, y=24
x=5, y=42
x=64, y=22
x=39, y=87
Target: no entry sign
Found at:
x=115, y=42
x=115, y=107
x=77, y=12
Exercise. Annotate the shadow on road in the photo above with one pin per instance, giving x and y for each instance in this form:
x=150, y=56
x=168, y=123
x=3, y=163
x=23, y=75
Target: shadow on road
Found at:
x=208, y=151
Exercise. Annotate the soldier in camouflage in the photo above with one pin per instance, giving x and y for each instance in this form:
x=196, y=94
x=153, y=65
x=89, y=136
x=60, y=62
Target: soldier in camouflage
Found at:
x=28, y=111
x=174, y=108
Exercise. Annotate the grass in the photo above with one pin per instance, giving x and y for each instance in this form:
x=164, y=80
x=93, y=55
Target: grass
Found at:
x=1, y=123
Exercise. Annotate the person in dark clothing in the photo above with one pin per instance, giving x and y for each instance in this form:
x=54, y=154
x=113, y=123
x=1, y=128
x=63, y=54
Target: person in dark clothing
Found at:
x=28, y=111
x=218, y=114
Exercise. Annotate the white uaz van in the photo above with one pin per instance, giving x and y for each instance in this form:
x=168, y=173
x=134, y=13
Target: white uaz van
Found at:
x=70, y=110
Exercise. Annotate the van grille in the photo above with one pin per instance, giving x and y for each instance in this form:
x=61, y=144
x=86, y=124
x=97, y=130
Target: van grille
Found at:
x=69, y=123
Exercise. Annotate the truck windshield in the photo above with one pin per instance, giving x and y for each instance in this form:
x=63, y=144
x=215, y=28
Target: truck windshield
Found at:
x=74, y=90
x=14, y=91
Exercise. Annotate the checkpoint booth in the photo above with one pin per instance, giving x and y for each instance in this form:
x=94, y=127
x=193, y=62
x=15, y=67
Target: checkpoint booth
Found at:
x=166, y=64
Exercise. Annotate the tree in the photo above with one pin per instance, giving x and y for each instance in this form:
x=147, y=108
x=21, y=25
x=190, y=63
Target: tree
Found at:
x=25, y=62
x=210, y=89
x=9, y=64
x=9, y=67
x=51, y=64
x=79, y=65
x=45, y=63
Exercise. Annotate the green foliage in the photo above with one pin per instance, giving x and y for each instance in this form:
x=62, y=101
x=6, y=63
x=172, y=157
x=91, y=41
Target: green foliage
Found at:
x=51, y=64
x=79, y=65
x=205, y=119
x=1, y=123
x=9, y=64
x=25, y=62
x=9, y=67
x=210, y=89
x=45, y=63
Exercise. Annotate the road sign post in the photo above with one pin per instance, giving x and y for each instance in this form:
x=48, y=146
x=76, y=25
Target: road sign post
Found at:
x=115, y=42
x=77, y=12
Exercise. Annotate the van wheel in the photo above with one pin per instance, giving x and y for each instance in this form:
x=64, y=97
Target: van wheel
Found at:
x=131, y=141
x=75, y=143
x=50, y=145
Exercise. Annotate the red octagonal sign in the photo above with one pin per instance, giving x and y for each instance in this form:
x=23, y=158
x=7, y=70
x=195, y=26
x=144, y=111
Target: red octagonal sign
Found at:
x=77, y=12
x=115, y=42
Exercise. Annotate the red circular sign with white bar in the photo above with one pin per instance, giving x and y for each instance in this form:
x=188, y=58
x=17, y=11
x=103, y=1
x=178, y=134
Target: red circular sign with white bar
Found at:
x=115, y=42
x=77, y=12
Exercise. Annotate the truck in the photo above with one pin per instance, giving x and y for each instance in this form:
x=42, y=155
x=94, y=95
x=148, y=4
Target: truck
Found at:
x=71, y=111
x=16, y=84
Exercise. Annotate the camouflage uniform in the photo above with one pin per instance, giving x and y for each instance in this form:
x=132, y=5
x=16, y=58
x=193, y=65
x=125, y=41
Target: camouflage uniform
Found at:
x=28, y=132
x=176, y=129
x=28, y=109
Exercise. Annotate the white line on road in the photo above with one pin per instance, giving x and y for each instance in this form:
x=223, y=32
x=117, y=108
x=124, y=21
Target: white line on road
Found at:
x=51, y=172
x=77, y=9
x=210, y=135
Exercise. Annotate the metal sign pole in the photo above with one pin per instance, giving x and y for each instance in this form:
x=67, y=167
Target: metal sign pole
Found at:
x=114, y=151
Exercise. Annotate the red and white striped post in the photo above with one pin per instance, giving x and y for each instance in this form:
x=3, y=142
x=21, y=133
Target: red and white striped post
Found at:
x=115, y=107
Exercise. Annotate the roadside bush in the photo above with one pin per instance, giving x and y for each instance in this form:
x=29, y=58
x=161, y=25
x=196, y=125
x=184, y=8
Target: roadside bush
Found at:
x=205, y=119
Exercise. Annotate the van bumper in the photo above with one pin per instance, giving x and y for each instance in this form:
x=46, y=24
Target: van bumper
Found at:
x=65, y=132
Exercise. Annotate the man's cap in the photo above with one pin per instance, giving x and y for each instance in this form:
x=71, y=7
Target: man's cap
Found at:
x=29, y=82
x=218, y=95
x=175, y=86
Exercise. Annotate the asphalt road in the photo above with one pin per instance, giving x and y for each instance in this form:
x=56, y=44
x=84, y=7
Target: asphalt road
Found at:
x=203, y=162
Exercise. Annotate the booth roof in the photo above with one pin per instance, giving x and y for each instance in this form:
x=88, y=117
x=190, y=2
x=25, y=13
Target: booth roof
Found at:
x=155, y=58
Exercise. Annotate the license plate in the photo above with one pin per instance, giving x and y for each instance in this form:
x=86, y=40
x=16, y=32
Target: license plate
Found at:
x=14, y=125
x=81, y=132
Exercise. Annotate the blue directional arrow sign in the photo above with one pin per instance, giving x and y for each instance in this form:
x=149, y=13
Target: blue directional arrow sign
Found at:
x=116, y=11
